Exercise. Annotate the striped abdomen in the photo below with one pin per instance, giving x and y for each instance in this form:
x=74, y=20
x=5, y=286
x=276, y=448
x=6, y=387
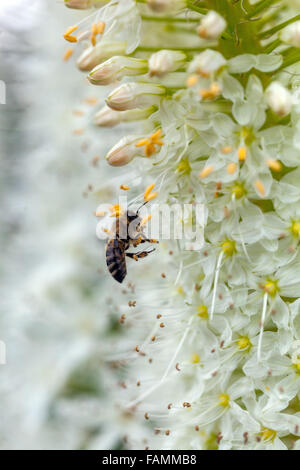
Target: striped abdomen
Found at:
x=115, y=259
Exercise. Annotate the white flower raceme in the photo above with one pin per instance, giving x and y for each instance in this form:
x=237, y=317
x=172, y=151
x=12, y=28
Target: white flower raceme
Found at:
x=218, y=366
x=211, y=26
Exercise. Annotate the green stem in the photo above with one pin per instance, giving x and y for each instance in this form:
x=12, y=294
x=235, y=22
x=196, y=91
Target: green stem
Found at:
x=154, y=49
x=290, y=61
x=191, y=5
x=270, y=32
x=170, y=19
x=272, y=45
x=259, y=7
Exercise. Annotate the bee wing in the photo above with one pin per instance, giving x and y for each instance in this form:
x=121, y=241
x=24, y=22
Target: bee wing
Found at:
x=115, y=259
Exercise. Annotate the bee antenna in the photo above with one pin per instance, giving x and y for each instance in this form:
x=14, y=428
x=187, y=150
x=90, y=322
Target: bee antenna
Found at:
x=141, y=206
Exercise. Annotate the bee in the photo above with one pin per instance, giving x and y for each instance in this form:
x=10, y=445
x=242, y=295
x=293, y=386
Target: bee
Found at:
x=128, y=232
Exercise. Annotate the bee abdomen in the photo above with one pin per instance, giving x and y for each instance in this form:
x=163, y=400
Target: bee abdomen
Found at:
x=115, y=260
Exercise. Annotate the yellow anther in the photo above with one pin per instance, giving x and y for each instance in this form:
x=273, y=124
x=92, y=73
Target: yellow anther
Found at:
x=206, y=171
x=244, y=343
x=260, y=187
x=148, y=191
x=227, y=149
x=195, y=358
x=184, y=166
x=268, y=434
x=151, y=143
x=202, y=311
x=274, y=165
x=124, y=187
x=242, y=153
x=271, y=287
x=68, y=54
x=210, y=93
x=231, y=168
x=95, y=30
x=192, y=80
x=180, y=290
x=239, y=190
x=152, y=196
x=100, y=213
x=68, y=34
x=229, y=247
x=295, y=228
x=224, y=399
x=146, y=219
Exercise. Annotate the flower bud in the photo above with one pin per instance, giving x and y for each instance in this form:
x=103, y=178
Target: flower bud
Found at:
x=207, y=62
x=212, y=26
x=135, y=95
x=116, y=68
x=279, y=99
x=165, y=61
x=95, y=55
x=291, y=34
x=108, y=117
x=167, y=6
x=124, y=151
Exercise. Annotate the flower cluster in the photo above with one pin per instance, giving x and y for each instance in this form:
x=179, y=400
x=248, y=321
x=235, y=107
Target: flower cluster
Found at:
x=215, y=88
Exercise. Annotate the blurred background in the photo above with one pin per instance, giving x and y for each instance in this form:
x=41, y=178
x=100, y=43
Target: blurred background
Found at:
x=59, y=311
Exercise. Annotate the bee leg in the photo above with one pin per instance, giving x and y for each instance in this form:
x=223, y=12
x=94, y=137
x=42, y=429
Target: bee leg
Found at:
x=149, y=240
x=139, y=254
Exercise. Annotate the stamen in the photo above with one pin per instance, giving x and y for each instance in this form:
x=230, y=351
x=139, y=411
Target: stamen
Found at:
x=192, y=80
x=231, y=168
x=263, y=316
x=224, y=399
x=216, y=284
x=206, y=171
x=227, y=149
x=124, y=187
x=275, y=165
x=99, y=213
x=68, y=54
x=68, y=34
x=195, y=358
x=210, y=93
x=146, y=219
x=151, y=143
x=152, y=196
x=148, y=191
x=260, y=187
x=242, y=153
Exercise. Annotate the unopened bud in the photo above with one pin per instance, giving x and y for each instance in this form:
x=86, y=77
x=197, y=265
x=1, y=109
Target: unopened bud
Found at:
x=291, y=34
x=135, y=95
x=124, y=151
x=207, y=62
x=279, y=99
x=115, y=68
x=212, y=26
x=95, y=55
x=167, y=6
x=108, y=117
x=84, y=4
x=165, y=61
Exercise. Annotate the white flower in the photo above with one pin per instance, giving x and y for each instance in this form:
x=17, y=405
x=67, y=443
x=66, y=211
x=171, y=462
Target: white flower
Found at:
x=135, y=95
x=207, y=63
x=165, y=61
x=279, y=99
x=116, y=68
x=211, y=26
x=94, y=56
x=108, y=117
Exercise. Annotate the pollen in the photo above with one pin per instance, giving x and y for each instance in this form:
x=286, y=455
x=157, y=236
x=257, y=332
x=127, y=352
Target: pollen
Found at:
x=295, y=228
x=206, y=171
x=229, y=247
x=68, y=54
x=124, y=187
x=244, y=343
x=224, y=399
x=192, y=80
x=184, y=167
x=152, y=196
x=260, y=187
x=95, y=30
x=68, y=34
x=274, y=165
x=242, y=153
x=195, y=358
x=202, y=311
x=231, y=168
x=271, y=287
x=227, y=149
x=146, y=219
x=151, y=143
x=116, y=211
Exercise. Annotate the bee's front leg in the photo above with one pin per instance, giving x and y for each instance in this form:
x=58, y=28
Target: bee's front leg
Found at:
x=139, y=254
